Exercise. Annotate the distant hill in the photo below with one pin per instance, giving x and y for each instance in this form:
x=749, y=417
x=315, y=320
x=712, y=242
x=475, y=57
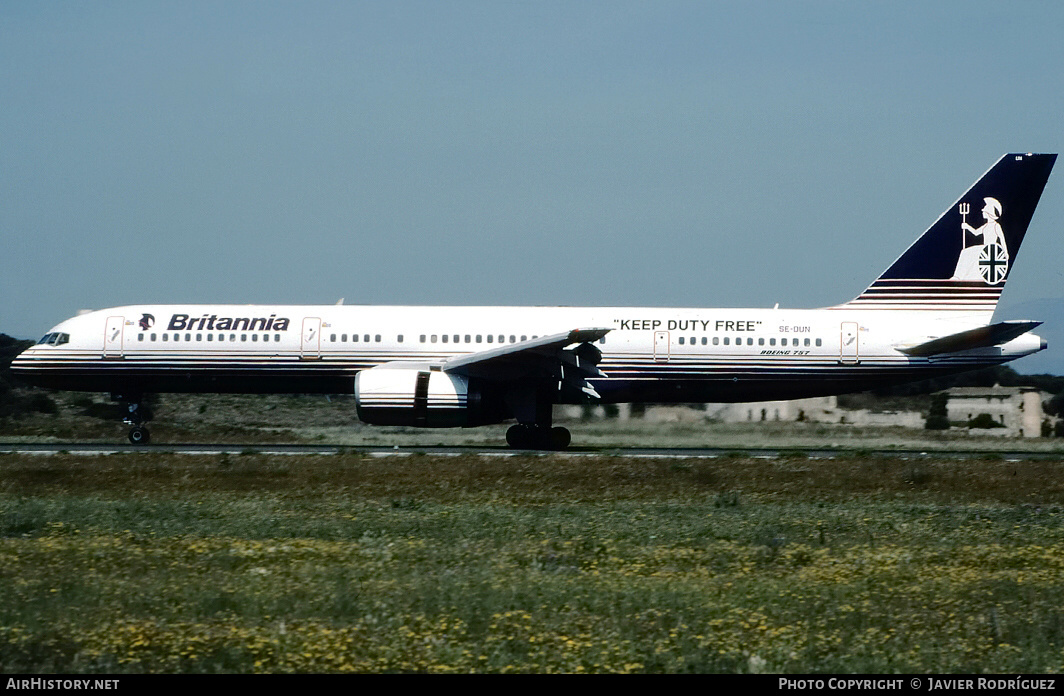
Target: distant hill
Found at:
x=9, y=348
x=15, y=401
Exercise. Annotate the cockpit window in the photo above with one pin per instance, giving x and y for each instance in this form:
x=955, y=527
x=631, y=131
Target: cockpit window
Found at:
x=54, y=339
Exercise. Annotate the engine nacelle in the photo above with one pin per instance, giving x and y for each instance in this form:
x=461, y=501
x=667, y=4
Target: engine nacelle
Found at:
x=421, y=397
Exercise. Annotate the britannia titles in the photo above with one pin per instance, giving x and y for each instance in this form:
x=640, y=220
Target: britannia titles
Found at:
x=212, y=322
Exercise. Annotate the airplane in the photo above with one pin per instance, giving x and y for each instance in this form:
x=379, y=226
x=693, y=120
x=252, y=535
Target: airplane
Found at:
x=929, y=314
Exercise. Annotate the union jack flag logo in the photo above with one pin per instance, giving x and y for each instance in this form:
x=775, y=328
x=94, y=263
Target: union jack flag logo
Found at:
x=993, y=263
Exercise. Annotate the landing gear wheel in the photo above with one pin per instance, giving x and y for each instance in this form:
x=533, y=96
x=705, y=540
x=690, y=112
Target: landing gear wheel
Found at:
x=558, y=439
x=531, y=437
x=139, y=436
x=520, y=437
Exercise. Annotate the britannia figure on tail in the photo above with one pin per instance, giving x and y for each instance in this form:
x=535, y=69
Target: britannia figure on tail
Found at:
x=988, y=259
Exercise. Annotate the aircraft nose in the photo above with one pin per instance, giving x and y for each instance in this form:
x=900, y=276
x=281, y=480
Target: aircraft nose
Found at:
x=21, y=359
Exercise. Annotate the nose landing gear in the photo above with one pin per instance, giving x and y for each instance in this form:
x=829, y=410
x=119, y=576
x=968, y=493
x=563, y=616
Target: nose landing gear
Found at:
x=139, y=435
x=136, y=416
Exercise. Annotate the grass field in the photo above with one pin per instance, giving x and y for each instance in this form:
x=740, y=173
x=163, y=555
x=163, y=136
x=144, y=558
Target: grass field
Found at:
x=155, y=562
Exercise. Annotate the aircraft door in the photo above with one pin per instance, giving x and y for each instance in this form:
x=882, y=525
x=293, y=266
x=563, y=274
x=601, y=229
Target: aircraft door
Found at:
x=661, y=346
x=848, y=343
x=112, y=337
x=310, y=342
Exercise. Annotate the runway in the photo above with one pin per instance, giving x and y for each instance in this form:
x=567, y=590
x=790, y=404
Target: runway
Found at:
x=96, y=448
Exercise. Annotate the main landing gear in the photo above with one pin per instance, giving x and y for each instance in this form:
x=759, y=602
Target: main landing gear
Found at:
x=532, y=406
x=537, y=437
x=136, y=416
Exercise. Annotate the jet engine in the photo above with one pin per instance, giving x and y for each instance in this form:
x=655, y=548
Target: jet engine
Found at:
x=423, y=397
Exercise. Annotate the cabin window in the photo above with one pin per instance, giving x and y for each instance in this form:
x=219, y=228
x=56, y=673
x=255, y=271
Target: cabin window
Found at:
x=199, y=337
x=343, y=338
x=422, y=338
x=457, y=338
x=255, y=338
x=445, y=338
x=277, y=338
x=818, y=342
x=140, y=337
x=265, y=337
x=365, y=338
x=681, y=340
x=332, y=338
x=806, y=343
x=478, y=338
x=490, y=338
x=166, y=337
x=188, y=337
x=760, y=341
x=772, y=341
x=513, y=339
x=725, y=340
x=716, y=341
x=525, y=338
x=502, y=339
x=232, y=337
x=704, y=340
x=433, y=338
x=243, y=338
x=210, y=337
x=400, y=338
x=738, y=340
x=153, y=337
x=601, y=340
x=468, y=338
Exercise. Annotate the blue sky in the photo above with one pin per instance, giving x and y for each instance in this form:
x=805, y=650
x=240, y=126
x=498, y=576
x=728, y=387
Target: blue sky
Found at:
x=580, y=153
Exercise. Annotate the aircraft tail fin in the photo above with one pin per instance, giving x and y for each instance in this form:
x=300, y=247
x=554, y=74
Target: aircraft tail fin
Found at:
x=962, y=261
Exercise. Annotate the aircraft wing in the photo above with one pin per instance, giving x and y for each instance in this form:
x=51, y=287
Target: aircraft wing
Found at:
x=981, y=337
x=568, y=357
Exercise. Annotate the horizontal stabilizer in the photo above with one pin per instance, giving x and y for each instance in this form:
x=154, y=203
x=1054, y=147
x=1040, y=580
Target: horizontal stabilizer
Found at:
x=981, y=337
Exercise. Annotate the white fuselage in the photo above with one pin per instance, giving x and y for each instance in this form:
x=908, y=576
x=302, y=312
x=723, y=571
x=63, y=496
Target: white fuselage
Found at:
x=650, y=354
